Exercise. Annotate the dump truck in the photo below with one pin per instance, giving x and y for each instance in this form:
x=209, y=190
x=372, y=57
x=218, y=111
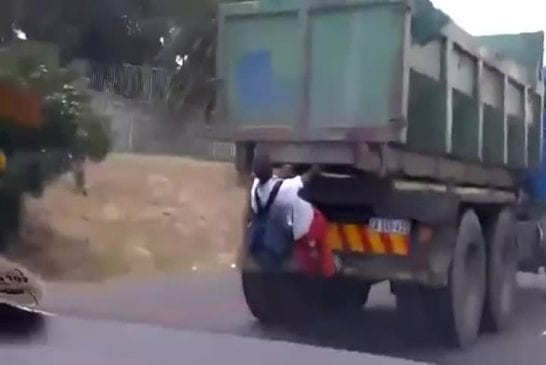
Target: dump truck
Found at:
x=430, y=143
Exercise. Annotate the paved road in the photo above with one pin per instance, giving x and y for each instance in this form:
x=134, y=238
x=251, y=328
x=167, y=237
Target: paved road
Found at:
x=213, y=303
x=65, y=341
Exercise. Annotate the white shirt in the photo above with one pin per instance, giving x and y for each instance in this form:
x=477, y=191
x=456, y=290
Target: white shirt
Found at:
x=300, y=211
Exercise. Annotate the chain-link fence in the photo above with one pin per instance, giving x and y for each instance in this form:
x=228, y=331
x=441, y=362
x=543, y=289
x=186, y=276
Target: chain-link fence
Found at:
x=134, y=97
x=138, y=83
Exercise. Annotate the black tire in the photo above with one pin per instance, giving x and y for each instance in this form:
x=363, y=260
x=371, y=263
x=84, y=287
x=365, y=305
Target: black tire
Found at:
x=281, y=298
x=344, y=293
x=454, y=313
x=259, y=293
x=459, y=307
x=502, y=263
x=411, y=313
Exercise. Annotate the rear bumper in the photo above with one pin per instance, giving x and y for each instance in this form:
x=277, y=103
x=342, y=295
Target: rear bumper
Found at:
x=392, y=268
x=425, y=262
x=369, y=268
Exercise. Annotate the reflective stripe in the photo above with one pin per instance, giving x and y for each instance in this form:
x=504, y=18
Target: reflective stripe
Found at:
x=377, y=244
x=360, y=239
x=399, y=245
x=333, y=239
x=343, y=237
x=353, y=236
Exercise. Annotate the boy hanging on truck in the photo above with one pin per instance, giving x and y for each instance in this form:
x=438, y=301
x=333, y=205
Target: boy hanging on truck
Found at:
x=282, y=222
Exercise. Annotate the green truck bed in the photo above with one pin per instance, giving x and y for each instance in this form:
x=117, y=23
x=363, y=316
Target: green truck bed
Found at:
x=391, y=86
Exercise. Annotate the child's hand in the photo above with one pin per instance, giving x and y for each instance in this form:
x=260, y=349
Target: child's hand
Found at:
x=311, y=173
x=286, y=171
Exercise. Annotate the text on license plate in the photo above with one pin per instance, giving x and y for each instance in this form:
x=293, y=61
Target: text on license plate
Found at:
x=390, y=226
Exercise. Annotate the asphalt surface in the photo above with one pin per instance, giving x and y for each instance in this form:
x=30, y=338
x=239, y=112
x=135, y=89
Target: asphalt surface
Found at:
x=65, y=340
x=213, y=304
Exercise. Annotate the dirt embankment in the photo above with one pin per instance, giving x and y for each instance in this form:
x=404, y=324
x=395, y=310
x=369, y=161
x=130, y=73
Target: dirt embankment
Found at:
x=143, y=214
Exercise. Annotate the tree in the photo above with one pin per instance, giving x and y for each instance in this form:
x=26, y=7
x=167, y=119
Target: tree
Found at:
x=68, y=124
x=156, y=32
x=114, y=31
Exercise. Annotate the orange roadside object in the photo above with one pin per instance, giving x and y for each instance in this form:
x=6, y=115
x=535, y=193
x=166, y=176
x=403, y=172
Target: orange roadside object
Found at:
x=21, y=105
x=34, y=108
x=3, y=101
x=3, y=161
x=7, y=96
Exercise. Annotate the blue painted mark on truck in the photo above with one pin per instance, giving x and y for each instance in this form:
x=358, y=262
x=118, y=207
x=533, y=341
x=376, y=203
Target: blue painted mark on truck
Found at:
x=257, y=88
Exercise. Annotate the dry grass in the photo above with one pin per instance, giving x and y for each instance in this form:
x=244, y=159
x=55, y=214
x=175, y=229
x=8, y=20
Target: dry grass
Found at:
x=143, y=214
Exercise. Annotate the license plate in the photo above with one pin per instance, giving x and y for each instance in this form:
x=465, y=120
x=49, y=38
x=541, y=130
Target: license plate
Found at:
x=390, y=226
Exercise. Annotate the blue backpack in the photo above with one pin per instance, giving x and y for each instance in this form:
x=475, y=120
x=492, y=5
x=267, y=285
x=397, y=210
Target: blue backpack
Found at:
x=270, y=236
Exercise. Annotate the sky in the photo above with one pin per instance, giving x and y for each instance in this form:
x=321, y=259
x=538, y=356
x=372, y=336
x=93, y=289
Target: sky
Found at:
x=484, y=17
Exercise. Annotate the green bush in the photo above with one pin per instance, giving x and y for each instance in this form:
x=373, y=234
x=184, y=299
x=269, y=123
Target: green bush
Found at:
x=69, y=127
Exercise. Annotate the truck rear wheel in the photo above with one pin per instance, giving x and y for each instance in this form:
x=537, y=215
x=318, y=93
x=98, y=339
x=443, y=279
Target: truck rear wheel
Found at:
x=344, y=293
x=280, y=298
x=260, y=296
x=411, y=311
x=453, y=313
x=502, y=262
x=460, y=305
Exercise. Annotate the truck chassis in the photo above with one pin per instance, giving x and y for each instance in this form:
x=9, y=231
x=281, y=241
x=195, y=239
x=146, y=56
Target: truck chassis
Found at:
x=455, y=276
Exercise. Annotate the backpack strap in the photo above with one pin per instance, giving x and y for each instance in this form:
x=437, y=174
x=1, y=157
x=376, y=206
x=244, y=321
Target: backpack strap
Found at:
x=270, y=199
